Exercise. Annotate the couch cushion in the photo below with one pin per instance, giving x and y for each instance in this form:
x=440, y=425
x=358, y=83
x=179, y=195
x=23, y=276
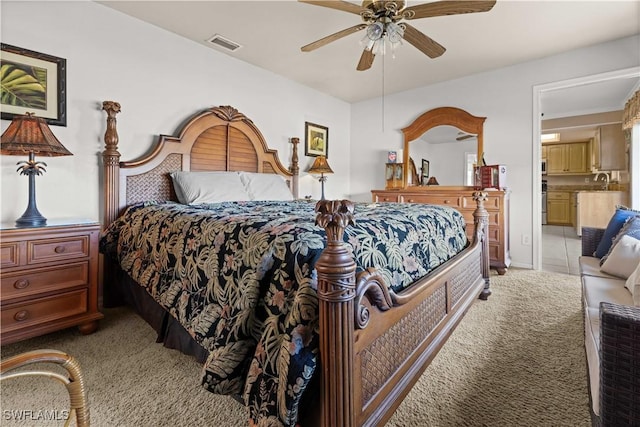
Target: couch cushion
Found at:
x=598, y=289
x=590, y=266
x=592, y=348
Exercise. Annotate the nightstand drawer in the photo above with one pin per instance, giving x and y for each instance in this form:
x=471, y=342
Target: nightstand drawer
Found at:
x=39, y=280
x=10, y=257
x=51, y=250
x=42, y=310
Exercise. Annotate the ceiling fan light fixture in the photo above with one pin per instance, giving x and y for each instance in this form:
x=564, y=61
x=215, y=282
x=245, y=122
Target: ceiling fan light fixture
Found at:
x=375, y=31
x=394, y=33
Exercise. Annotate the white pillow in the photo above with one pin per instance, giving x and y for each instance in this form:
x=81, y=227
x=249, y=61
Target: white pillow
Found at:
x=623, y=258
x=266, y=186
x=633, y=284
x=194, y=188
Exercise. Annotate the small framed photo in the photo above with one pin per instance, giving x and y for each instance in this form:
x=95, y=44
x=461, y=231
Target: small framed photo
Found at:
x=425, y=171
x=33, y=82
x=392, y=157
x=316, y=140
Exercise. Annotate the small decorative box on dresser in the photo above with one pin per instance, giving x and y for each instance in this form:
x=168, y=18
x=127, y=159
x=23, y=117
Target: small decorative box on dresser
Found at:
x=461, y=198
x=49, y=279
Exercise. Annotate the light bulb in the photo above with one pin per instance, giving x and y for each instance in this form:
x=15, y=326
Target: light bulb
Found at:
x=394, y=32
x=375, y=31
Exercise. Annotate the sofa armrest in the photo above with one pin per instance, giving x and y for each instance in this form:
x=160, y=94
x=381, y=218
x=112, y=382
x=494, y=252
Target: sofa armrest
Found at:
x=591, y=236
x=619, y=365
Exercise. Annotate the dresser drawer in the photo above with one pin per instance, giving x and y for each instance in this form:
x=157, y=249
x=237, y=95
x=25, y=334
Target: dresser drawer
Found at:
x=39, y=280
x=59, y=249
x=491, y=204
x=433, y=199
x=10, y=255
x=494, y=233
x=494, y=218
x=43, y=310
x=385, y=198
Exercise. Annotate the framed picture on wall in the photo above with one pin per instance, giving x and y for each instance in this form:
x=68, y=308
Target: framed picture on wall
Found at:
x=316, y=140
x=33, y=82
x=425, y=171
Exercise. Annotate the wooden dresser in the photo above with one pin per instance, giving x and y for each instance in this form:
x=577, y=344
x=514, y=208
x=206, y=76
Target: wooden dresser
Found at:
x=461, y=198
x=49, y=280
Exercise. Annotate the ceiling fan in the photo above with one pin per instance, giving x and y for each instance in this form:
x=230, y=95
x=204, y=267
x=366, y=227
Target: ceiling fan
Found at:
x=461, y=136
x=382, y=20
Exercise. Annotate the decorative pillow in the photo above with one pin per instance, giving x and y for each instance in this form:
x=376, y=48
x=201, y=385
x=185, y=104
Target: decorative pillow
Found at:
x=631, y=227
x=615, y=224
x=623, y=258
x=266, y=186
x=633, y=284
x=193, y=188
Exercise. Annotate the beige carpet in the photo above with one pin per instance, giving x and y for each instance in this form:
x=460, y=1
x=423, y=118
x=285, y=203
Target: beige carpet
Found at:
x=515, y=360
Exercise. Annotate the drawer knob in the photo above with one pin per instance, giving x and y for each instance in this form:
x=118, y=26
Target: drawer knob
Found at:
x=60, y=249
x=21, y=315
x=447, y=202
x=21, y=284
x=410, y=200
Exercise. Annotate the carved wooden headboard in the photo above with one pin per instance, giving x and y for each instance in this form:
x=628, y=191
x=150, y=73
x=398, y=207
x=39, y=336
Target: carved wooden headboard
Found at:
x=217, y=139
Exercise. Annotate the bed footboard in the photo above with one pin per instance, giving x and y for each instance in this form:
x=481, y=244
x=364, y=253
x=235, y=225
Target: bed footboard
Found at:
x=374, y=343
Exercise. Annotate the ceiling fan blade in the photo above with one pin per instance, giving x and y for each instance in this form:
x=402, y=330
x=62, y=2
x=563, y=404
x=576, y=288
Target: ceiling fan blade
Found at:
x=447, y=7
x=336, y=4
x=366, y=60
x=333, y=37
x=425, y=44
x=462, y=136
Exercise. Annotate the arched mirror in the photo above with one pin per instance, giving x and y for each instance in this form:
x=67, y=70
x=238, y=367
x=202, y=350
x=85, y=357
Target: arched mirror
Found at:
x=442, y=143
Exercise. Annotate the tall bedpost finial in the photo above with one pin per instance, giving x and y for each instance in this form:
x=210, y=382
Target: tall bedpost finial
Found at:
x=336, y=292
x=111, y=163
x=481, y=222
x=294, y=168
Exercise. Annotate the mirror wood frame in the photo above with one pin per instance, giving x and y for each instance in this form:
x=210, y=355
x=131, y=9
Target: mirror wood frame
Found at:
x=441, y=116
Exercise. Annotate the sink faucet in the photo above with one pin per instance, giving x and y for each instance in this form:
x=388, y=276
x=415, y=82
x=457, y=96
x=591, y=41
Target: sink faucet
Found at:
x=606, y=179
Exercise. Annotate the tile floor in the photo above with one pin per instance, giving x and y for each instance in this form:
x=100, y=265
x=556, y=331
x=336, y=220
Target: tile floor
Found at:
x=561, y=248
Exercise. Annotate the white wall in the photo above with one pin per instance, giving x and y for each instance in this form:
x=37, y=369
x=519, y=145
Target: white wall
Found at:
x=159, y=79
x=505, y=97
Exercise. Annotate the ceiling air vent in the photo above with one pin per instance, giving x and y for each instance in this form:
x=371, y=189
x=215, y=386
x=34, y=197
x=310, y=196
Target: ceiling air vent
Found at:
x=219, y=41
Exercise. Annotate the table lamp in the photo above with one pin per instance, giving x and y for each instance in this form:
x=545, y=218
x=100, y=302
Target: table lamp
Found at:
x=320, y=166
x=30, y=135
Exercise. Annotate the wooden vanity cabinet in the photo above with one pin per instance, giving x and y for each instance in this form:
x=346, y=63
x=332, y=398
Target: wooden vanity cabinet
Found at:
x=461, y=198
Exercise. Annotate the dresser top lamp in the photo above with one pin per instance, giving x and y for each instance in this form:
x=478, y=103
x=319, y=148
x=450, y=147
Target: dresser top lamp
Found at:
x=320, y=167
x=30, y=135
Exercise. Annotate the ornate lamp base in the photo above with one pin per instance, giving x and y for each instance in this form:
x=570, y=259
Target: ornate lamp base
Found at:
x=31, y=217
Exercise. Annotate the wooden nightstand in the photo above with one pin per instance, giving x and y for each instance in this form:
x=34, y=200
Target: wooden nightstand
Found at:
x=49, y=279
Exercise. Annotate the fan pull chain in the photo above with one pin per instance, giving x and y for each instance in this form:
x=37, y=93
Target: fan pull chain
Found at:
x=382, y=94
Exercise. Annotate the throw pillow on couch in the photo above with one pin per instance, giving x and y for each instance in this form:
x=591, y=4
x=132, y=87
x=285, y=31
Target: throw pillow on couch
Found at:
x=617, y=221
x=633, y=284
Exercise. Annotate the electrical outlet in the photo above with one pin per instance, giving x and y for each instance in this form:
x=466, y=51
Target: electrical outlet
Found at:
x=586, y=180
x=526, y=239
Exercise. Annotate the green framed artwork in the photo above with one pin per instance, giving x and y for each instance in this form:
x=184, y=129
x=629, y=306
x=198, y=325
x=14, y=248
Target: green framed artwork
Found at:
x=33, y=82
x=316, y=140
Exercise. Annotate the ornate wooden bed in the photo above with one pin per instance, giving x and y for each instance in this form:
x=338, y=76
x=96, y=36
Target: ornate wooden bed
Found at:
x=374, y=343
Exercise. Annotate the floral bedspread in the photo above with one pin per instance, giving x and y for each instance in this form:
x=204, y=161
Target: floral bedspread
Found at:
x=240, y=278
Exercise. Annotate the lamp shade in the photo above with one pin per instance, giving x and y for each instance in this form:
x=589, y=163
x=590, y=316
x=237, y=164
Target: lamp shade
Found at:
x=28, y=134
x=320, y=166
